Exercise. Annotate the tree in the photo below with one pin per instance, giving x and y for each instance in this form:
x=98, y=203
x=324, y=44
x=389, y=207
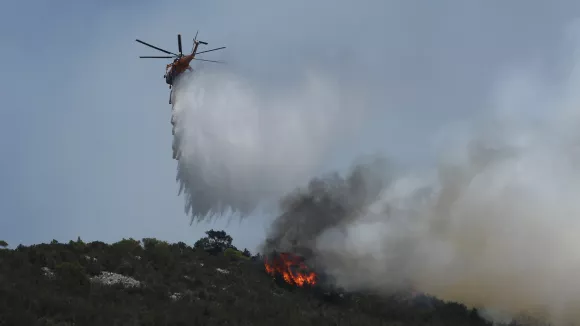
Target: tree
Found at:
x=3, y=244
x=215, y=242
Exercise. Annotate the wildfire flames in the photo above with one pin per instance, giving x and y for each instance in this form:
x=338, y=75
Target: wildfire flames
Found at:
x=291, y=268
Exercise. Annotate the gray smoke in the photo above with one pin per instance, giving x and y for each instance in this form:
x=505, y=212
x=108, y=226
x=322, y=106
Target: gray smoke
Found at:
x=239, y=145
x=494, y=225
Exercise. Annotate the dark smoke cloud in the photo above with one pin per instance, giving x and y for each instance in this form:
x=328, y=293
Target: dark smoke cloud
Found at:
x=328, y=201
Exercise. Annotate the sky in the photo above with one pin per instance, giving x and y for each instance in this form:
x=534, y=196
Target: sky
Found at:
x=85, y=134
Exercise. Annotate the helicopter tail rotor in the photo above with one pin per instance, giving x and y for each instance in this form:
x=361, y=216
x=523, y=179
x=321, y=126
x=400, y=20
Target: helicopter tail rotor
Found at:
x=194, y=40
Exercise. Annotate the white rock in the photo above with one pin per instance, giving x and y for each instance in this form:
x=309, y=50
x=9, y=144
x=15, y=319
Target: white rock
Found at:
x=108, y=278
x=47, y=272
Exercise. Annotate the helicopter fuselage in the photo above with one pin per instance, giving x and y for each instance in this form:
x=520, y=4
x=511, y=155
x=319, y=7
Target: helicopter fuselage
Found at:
x=178, y=67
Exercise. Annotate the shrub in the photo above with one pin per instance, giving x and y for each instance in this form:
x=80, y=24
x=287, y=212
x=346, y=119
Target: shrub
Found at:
x=159, y=251
x=127, y=246
x=77, y=246
x=72, y=276
x=235, y=254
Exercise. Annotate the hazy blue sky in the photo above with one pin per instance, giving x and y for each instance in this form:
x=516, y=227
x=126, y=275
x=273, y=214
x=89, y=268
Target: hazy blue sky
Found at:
x=85, y=139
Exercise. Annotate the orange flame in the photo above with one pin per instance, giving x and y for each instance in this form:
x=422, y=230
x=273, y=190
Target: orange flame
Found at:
x=291, y=268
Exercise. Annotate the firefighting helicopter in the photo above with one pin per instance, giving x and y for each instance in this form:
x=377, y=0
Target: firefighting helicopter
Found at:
x=180, y=61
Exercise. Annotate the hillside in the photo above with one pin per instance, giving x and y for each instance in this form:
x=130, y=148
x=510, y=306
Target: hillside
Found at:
x=151, y=282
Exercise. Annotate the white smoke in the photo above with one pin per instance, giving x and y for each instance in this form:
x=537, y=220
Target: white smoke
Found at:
x=238, y=145
x=496, y=225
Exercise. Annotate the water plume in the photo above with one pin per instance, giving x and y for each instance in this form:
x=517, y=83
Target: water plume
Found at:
x=238, y=144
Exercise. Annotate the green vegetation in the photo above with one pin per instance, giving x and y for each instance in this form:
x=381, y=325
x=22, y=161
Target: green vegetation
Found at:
x=159, y=283
x=235, y=254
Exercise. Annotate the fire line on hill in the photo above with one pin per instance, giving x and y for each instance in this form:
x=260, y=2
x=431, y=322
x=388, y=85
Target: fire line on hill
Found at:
x=291, y=268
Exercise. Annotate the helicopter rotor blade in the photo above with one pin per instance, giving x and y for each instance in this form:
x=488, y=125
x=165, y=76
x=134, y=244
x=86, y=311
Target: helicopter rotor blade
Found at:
x=208, y=60
x=179, y=43
x=156, y=48
x=154, y=57
x=223, y=47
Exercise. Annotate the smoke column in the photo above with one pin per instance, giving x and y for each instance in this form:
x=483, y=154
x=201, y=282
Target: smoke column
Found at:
x=238, y=145
x=495, y=225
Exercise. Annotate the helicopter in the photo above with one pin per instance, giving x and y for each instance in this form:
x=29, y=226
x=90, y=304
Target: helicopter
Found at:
x=180, y=61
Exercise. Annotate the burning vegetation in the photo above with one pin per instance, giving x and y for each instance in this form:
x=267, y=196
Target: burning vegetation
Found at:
x=291, y=268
